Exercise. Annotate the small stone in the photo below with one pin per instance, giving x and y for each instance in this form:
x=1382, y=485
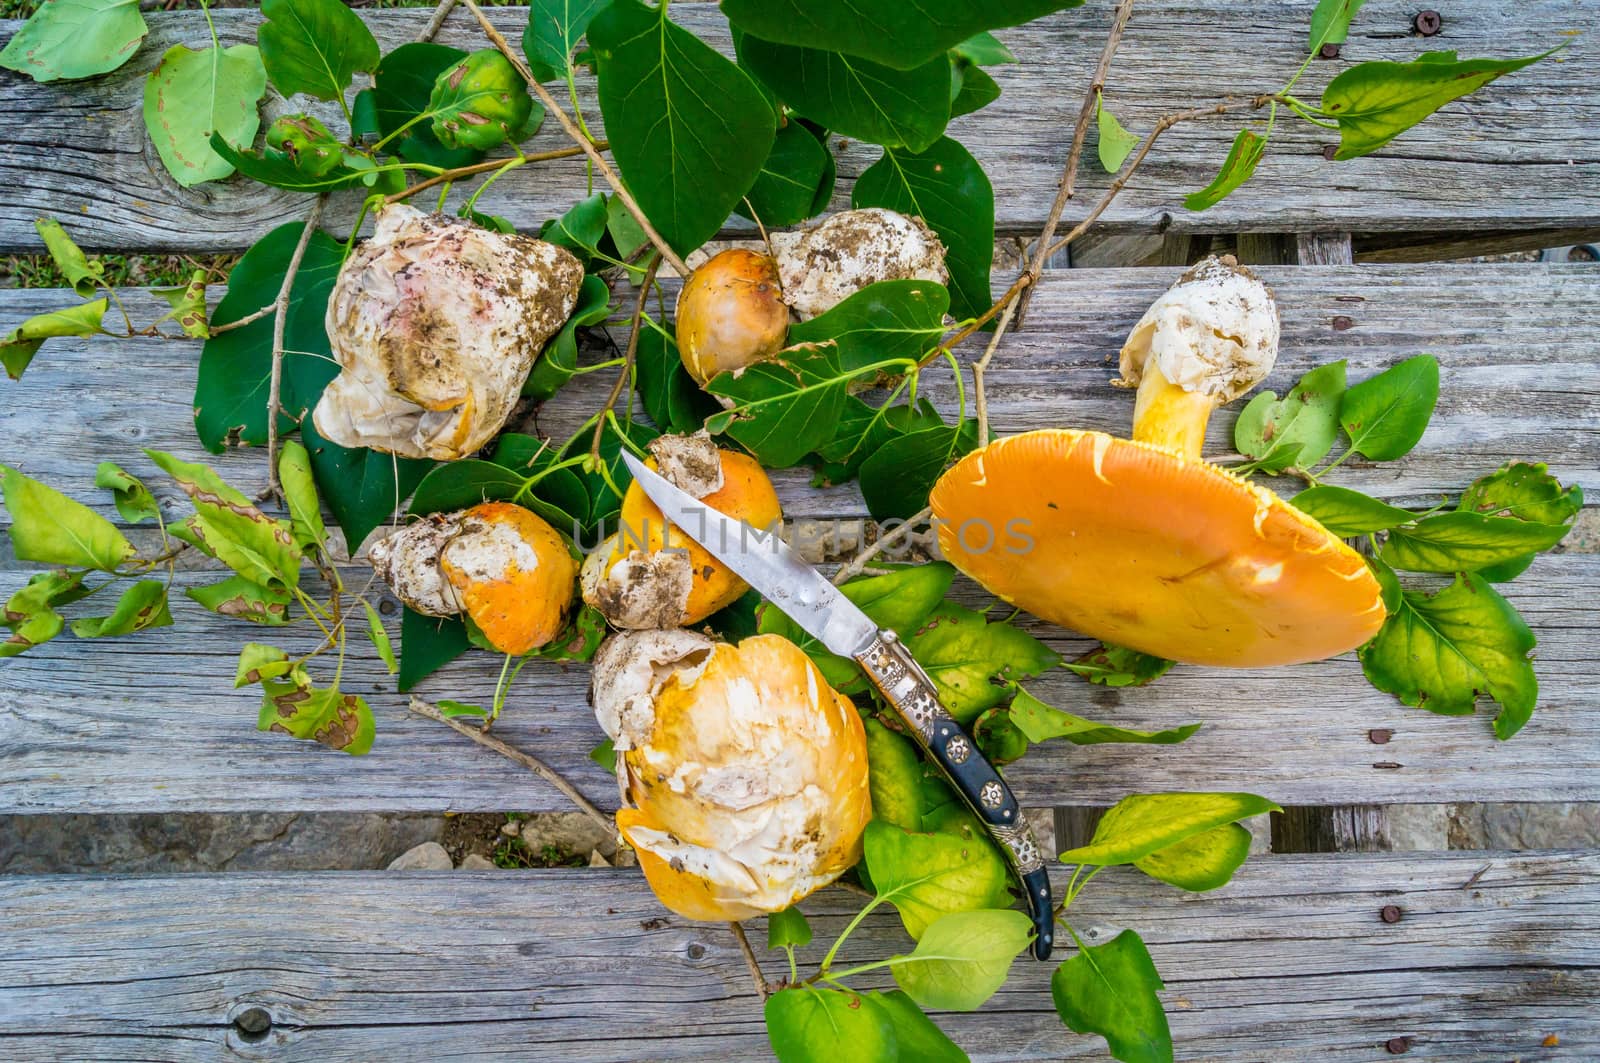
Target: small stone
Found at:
x=476, y=862
x=429, y=856
x=511, y=829
x=596, y=859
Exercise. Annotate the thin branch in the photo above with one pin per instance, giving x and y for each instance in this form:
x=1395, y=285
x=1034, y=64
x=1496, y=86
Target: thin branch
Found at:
x=484, y=167
x=628, y=357
x=279, y=323
x=982, y=364
x=579, y=138
x=1080, y=133
x=527, y=760
x=859, y=562
x=248, y=319
x=750, y=960
x=440, y=13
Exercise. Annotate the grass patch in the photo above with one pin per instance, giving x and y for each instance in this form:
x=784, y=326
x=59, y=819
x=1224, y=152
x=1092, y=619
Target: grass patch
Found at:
x=122, y=271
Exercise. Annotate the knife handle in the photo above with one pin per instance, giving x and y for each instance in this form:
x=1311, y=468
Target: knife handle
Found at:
x=913, y=696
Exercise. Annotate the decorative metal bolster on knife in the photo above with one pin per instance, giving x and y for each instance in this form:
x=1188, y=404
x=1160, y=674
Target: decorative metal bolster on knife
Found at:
x=912, y=694
x=768, y=565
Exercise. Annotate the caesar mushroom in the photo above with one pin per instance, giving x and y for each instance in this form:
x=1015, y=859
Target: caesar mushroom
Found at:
x=435, y=323
x=502, y=565
x=730, y=314
x=649, y=576
x=743, y=773
x=1140, y=542
x=822, y=267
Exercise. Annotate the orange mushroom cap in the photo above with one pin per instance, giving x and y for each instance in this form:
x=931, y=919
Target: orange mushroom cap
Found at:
x=1158, y=551
x=730, y=314
x=513, y=574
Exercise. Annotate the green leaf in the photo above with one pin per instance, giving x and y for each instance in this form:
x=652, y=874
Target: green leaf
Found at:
x=339, y=721
x=788, y=929
x=1116, y=143
x=915, y=1034
x=427, y=644
x=603, y=754
x=554, y=29
x=401, y=89
x=998, y=738
x=1330, y=22
x=964, y=654
x=1141, y=824
x=946, y=188
x=233, y=529
x=380, y=638
x=894, y=777
x=75, y=39
x=963, y=958
x=452, y=710
x=670, y=396
x=1111, y=990
x=810, y=1025
x=1467, y=542
x=1440, y=652
x=626, y=232
x=984, y=49
x=192, y=95
x=314, y=46
x=1297, y=430
x=1118, y=666
x=1201, y=862
x=1039, y=722
x=188, y=302
x=855, y=97
x=557, y=493
x=244, y=599
x=48, y=526
x=971, y=88
x=559, y=360
x=1346, y=513
x=897, y=477
x=688, y=128
x=581, y=228
x=363, y=488
x=300, y=492
x=1525, y=491
x=280, y=171
x=482, y=102
x=888, y=31
x=1376, y=102
x=133, y=499
x=85, y=274
x=902, y=600
x=579, y=638
x=901, y=319
x=930, y=875
x=784, y=408
x=795, y=182
x=1243, y=158
x=1385, y=415
x=143, y=605
x=24, y=341
x=30, y=612
x=259, y=662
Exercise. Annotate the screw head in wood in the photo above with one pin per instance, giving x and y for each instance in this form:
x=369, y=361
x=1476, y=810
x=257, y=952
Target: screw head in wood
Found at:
x=1398, y=1046
x=1427, y=23
x=1329, y=50
x=1391, y=913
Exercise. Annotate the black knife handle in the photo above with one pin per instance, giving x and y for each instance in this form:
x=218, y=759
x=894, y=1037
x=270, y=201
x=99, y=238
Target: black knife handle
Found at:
x=912, y=694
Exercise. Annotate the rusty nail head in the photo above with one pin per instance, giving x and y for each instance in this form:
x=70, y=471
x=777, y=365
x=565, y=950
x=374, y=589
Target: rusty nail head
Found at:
x=1391, y=913
x=1398, y=1046
x=1378, y=735
x=1427, y=23
x=1329, y=50
x=1329, y=150
x=1341, y=323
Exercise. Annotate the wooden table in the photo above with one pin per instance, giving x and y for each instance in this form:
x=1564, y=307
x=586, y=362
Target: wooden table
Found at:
x=1495, y=952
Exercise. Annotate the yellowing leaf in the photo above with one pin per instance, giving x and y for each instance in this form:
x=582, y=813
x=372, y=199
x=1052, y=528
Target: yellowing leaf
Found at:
x=1237, y=168
x=48, y=526
x=193, y=94
x=68, y=39
x=18, y=348
x=1115, y=141
x=1142, y=824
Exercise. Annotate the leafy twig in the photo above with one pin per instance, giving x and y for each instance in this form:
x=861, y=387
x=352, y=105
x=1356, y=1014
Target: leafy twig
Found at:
x=627, y=358
x=762, y=987
x=578, y=137
x=279, y=323
x=527, y=760
x=878, y=545
x=1069, y=176
x=484, y=167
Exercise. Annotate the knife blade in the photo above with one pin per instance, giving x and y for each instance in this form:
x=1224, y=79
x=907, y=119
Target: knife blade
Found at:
x=762, y=559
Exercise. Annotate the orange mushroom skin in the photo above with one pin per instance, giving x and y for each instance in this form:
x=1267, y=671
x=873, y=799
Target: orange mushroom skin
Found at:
x=730, y=314
x=517, y=590
x=1145, y=547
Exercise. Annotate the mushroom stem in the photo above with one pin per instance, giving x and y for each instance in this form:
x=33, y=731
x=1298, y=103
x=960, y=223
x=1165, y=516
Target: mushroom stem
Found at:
x=1168, y=416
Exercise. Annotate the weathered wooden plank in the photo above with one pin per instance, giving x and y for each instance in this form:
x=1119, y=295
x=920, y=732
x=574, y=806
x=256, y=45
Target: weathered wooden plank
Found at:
x=1519, y=345
x=79, y=149
x=151, y=723
x=1494, y=956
